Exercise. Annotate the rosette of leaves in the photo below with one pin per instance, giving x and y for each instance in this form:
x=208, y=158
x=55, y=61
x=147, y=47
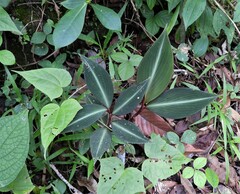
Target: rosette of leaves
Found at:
x=153, y=76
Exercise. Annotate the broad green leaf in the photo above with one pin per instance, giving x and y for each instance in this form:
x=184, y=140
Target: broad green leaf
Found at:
x=6, y=23
x=109, y=18
x=146, y=12
x=157, y=65
x=189, y=137
x=128, y=132
x=126, y=70
x=151, y=26
x=163, y=18
x=7, y=57
x=164, y=160
x=55, y=119
x=100, y=142
x=114, y=179
x=119, y=57
x=14, y=146
x=21, y=185
x=129, y=99
x=38, y=37
x=50, y=81
x=4, y=3
x=172, y=4
x=151, y=3
x=192, y=10
x=69, y=27
x=86, y=117
x=98, y=81
x=188, y=172
x=199, y=162
x=40, y=49
x=71, y=4
x=180, y=102
x=199, y=179
x=212, y=177
x=236, y=17
x=200, y=46
x=172, y=137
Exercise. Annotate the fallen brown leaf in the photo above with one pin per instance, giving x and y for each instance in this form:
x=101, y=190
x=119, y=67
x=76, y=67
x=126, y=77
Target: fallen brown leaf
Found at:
x=90, y=184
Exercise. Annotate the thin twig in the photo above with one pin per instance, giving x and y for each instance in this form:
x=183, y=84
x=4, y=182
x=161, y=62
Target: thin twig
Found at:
x=77, y=90
x=71, y=188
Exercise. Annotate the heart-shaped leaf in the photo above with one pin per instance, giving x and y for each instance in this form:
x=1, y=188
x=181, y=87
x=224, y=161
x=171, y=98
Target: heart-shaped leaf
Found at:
x=100, y=142
x=130, y=98
x=98, y=81
x=86, y=117
x=70, y=26
x=128, y=132
x=54, y=120
x=14, y=145
x=180, y=102
x=157, y=65
x=50, y=81
x=115, y=179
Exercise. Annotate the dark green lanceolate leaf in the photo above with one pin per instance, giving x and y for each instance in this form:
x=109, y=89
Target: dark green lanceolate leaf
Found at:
x=14, y=145
x=128, y=132
x=6, y=23
x=100, y=142
x=192, y=10
x=129, y=99
x=69, y=27
x=157, y=65
x=50, y=81
x=108, y=18
x=98, y=81
x=180, y=102
x=114, y=179
x=85, y=117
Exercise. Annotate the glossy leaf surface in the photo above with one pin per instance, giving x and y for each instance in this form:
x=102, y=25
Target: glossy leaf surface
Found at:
x=180, y=102
x=85, y=117
x=115, y=179
x=157, y=65
x=69, y=27
x=129, y=99
x=100, y=142
x=50, y=81
x=98, y=81
x=14, y=145
x=128, y=132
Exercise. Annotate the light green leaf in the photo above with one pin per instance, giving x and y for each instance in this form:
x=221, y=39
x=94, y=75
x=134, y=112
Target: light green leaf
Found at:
x=98, y=81
x=188, y=172
x=192, y=10
x=50, y=81
x=199, y=179
x=109, y=18
x=212, y=177
x=38, y=37
x=71, y=4
x=6, y=23
x=157, y=65
x=180, y=102
x=14, y=145
x=100, y=142
x=114, y=179
x=129, y=99
x=200, y=46
x=119, y=57
x=7, y=57
x=189, y=137
x=164, y=160
x=128, y=132
x=54, y=120
x=86, y=117
x=126, y=70
x=21, y=185
x=173, y=137
x=69, y=27
x=199, y=162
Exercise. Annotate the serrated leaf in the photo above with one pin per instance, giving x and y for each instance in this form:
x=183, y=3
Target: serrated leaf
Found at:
x=14, y=146
x=6, y=23
x=69, y=27
x=54, y=120
x=188, y=172
x=199, y=162
x=157, y=65
x=98, y=81
x=128, y=132
x=192, y=10
x=180, y=102
x=115, y=179
x=50, y=81
x=100, y=142
x=212, y=177
x=109, y=18
x=86, y=117
x=7, y=57
x=130, y=98
x=199, y=179
x=164, y=160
